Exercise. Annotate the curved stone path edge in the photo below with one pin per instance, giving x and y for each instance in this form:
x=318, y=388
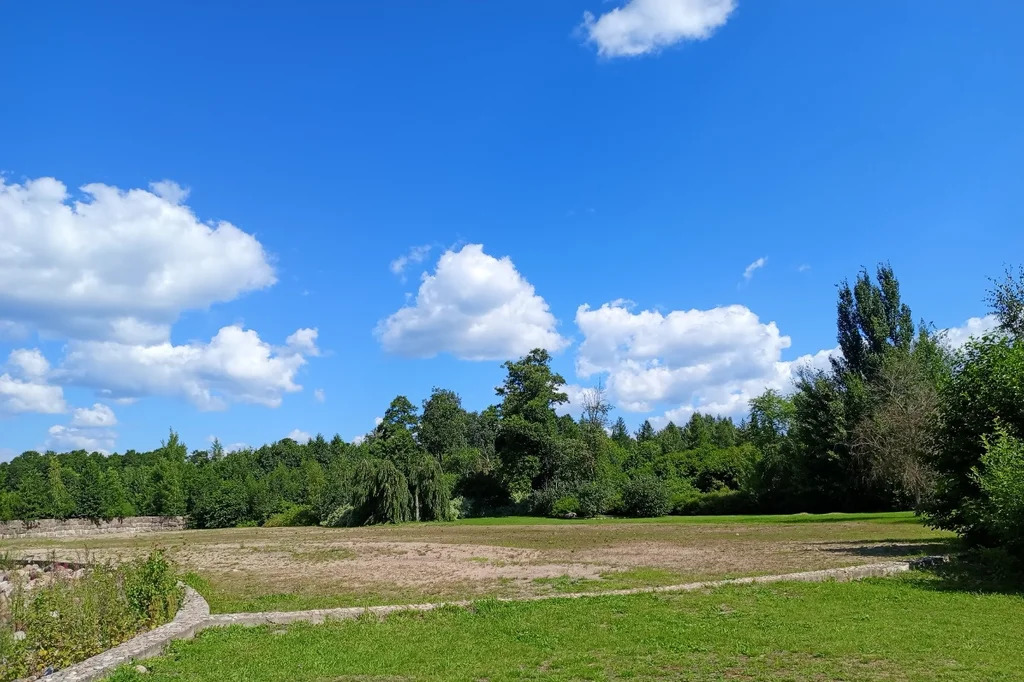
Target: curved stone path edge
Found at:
x=194, y=614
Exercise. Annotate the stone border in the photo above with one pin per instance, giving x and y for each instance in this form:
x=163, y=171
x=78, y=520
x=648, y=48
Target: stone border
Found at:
x=194, y=614
x=191, y=617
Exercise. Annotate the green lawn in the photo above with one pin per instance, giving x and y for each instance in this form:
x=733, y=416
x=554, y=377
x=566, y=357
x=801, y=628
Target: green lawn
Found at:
x=915, y=627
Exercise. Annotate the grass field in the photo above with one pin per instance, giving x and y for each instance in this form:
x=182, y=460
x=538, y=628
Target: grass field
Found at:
x=910, y=628
x=264, y=569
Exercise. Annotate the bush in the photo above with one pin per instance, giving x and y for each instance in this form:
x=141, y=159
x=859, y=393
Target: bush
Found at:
x=456, y=506
x=339, y=518
x=984, y=393
x=70, y=620
x=716, y=503
x=542, y=502
x=567, y=506
x=151, y=588
x=1001, y=481
x=645, y=496
x=596, y=498
x=294, y=515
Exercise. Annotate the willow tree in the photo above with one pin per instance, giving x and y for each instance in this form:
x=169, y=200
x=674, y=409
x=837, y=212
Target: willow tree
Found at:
x=381, y=493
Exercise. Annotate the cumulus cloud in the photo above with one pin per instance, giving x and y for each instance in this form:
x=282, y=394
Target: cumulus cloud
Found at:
x=645, y=26
x=24, y=386
x=576, y=395
x=62, y=437
x=416, y=254
x=299, y=436
x=475, y=307
x=973, y=327
x=709, y=360
x=99, y=415
x=116, y=265
x=235, y=366
x=748, y=272
x=30, y=363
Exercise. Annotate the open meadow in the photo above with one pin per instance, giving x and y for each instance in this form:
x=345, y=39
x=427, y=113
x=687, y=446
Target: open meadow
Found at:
x=267, y=569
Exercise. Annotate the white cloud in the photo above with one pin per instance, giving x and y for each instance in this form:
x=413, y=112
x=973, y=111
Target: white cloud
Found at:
x=358, y=440
x=475, y=307
x=574, y=406
x=748, y=272
x=644, y=26
x=303, y=341
x=75, y=438
x=99, y=415
x=116, y=265
x=377, y=421
x=975, y=326
x=416, y=254
x=24, y=387
x=319, y=395
x=30, y=363
x=709, y=360
x=6, y=454
x=17, y=396
x=169, y=190
x=803, y=268
x=235, y=366
x=299, y=436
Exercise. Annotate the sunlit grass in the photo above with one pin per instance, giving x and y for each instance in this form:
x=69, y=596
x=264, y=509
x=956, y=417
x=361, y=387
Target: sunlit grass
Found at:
x=909, y=628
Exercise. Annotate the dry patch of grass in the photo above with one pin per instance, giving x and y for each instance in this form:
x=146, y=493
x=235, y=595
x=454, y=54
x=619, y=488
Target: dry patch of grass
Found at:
x=291, y=568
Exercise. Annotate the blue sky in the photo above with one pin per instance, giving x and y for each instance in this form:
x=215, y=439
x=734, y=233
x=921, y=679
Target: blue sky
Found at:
x=551, y=155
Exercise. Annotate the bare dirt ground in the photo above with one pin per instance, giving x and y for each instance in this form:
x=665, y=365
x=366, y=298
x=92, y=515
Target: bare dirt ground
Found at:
x=291, y=568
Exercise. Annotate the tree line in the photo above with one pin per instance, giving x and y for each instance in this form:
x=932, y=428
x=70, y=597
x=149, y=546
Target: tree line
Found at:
x=899, y=421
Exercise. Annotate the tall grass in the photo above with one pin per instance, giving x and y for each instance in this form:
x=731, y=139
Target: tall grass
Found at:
x=69, y=620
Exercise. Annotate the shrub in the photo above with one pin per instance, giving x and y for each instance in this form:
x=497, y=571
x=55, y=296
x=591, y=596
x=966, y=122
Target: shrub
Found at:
x=1001, y=481
x=69, y=620
x=151, y=589
x=542, y=502
x=565, y=506
x=645, y=496
x=985, y=391
x=596, y=498
x=339, y=518
x=293, y=515
x=718, y=502
x=682, y=497
x=456, y=506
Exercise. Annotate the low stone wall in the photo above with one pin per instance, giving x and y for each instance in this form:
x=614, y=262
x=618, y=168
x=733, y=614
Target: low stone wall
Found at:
x=73, y=528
